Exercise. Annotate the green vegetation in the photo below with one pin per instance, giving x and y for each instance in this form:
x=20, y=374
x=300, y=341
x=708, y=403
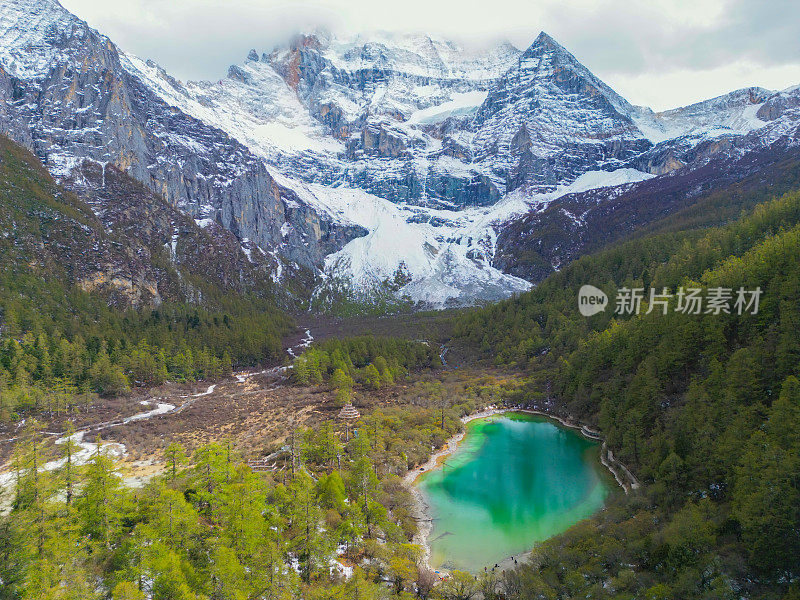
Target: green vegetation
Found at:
x=369, y=361
x=217, y=530
x=704, y=408
x=59, y=344
x=51, y=358
x=338, y=298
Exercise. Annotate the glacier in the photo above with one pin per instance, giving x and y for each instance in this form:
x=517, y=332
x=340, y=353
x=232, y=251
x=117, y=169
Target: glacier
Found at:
x=361, y=157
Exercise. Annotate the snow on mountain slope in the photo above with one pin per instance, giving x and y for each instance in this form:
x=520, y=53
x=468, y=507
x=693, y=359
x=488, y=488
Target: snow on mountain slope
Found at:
x=402, y=104
x=386, y=73
x=549, y=119
x=732, y=114
x=367, y=156
x=30, y=32
x=447, y=253
x=335, y=111
x=446, y=265
x=417, y=55
x=253, y=104
x=462, y=104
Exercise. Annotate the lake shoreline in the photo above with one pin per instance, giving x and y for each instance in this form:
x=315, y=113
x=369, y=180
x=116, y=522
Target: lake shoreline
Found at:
x=624, y=478
x=421, y=509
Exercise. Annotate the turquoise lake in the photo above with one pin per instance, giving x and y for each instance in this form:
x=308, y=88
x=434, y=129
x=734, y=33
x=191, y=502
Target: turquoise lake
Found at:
x=515, y=479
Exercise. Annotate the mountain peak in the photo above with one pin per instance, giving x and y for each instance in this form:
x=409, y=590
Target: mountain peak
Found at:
x=545, y=39
x=547, y=60
x=545, y=43
x=314, y=39
x=34, y=33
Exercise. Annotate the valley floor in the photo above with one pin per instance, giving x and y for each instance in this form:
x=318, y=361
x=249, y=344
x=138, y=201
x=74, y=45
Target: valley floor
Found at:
x=255, y=410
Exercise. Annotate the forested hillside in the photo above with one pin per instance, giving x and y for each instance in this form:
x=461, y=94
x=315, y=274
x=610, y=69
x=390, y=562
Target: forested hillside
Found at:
x=539, y=243
x=216, y=530
x=89, y=308
x=705, y=408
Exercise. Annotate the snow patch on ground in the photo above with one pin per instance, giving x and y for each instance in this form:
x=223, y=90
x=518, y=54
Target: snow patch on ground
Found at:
x=162, y=408
x=82, y=455
x=208, y=392
x=304, y=343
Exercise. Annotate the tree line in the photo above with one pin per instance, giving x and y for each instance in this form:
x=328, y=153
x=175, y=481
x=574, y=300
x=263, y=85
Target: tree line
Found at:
x=369, y=361
x=58, y=346
x=209, y=527
x=705, y=408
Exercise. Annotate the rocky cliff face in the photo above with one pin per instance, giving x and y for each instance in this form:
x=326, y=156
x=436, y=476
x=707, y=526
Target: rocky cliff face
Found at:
x=361, y=158
x=75, y=101
x=548, y=120
x=387, y=99
x=122, y=240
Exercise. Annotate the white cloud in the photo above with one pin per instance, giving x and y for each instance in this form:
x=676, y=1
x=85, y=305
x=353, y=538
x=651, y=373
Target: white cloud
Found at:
x=660, y=53
x=661, y=91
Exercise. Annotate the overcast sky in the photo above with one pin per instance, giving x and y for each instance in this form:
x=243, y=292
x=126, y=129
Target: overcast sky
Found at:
x=659, y=54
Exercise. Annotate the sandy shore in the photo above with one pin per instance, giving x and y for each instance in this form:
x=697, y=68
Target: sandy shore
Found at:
x=626, y=480
x=421, y=508
x=449, y=446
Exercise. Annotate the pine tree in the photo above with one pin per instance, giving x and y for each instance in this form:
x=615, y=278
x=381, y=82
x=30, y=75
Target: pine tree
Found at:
x=99, y=504
x=305, y=517
x=175, y=456
x=372, y=379
x=70, y=472
x=300, y=370
x=108, y=378
x=383, y=369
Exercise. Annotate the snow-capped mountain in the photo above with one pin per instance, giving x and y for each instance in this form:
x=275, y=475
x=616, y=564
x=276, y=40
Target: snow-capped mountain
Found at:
x=65, y=94
x=366, y=159
x=549, y=119
x=367, y=113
